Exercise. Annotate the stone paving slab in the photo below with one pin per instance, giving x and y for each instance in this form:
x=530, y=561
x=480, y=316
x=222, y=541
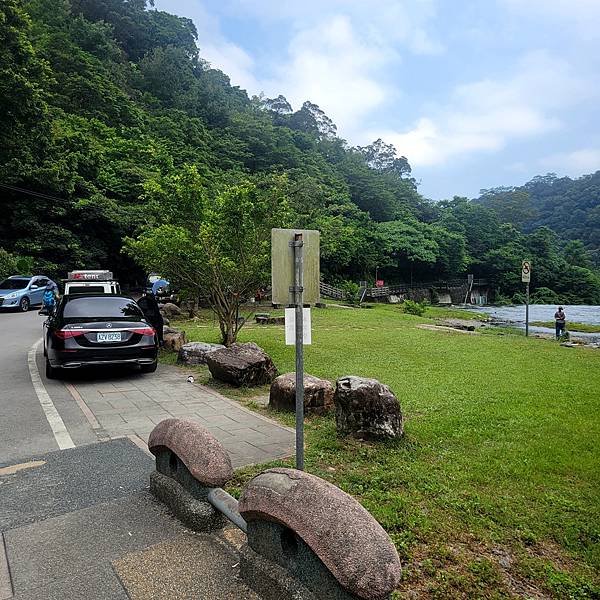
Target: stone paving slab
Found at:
x=133, y=403
x=187, y=567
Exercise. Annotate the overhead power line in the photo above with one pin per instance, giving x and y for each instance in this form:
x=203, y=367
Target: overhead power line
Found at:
x=14, y=188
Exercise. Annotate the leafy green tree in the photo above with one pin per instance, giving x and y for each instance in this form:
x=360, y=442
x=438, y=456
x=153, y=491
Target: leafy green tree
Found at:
x=311, y=119
x=576, y=255
x=223, y=251
x=23, y=109
x=12, y=264
x=407, y=244
x=384, y=157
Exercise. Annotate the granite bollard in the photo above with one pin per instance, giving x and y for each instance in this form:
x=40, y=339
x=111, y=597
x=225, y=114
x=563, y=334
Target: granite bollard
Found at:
x=308, y=539
x=190, y=461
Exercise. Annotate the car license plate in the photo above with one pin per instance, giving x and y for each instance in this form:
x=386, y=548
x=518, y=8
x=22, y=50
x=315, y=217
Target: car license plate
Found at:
x=113, y=336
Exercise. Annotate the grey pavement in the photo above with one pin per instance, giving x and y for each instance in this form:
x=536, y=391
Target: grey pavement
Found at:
x=73, y=479
x=81, y=523
x=131, y=403
x=24, y=430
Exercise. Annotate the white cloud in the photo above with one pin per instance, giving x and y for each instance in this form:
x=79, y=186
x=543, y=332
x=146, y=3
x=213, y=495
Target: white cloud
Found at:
x=344, y=55
x=332, y=67
x=586, y=160
x=485, y=115
x=337, y=54
x=382, y=22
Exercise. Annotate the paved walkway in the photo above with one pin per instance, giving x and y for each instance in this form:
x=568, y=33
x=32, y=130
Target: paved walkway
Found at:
x=131, y=404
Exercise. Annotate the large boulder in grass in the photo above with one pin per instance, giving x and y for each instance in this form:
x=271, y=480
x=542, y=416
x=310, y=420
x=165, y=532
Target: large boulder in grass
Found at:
x=318, y=394
x=173, y=339
x=195, y=353
x=170, y=310
x=367, y=409
x=242, y=365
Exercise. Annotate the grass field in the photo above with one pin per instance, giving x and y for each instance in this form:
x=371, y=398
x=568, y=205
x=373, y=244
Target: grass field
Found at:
x=571, y=326
x=494, y=491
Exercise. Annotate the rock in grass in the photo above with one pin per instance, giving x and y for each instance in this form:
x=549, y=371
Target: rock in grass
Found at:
x=366, y=408
x=174, y=339
x=170, y=310
x=318, y=394
x=195, y=353
x=242, y=365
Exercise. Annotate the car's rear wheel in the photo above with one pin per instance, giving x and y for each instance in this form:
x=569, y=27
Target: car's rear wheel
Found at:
x=51, y=372
x=24, y=305
x=149, y=368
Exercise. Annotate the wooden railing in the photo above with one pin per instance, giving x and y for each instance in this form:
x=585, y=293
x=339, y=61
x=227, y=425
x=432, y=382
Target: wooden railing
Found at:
x=331, y=292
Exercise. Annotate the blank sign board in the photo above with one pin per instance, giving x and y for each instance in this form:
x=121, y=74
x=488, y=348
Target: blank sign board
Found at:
x=290, y=327
x=282, y=265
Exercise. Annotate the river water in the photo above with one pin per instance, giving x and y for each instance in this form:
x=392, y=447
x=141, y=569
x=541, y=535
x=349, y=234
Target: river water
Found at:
x=515, y=316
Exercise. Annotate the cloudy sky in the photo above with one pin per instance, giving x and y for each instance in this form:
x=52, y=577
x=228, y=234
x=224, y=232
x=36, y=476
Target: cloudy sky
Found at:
x=474, y=93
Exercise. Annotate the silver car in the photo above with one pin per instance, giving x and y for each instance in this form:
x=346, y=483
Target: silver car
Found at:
x=22, y=291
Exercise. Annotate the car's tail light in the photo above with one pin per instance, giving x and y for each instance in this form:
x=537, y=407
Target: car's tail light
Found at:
x=65, y=334
x=144, y=330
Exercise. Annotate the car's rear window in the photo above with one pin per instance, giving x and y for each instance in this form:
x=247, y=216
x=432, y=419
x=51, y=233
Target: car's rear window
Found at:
x=101, y=307
x=14, y=284
x=86, y=289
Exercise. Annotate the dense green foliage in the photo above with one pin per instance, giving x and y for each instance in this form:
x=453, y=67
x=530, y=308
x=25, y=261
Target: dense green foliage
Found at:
x=571, y=207
x=101, y=100
x=215, y=245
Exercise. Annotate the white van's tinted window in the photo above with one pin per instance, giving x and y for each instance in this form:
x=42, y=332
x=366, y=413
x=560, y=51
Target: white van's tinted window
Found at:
x=86, y=289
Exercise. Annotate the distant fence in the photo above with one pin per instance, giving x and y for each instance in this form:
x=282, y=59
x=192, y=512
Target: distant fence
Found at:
x=329, y=291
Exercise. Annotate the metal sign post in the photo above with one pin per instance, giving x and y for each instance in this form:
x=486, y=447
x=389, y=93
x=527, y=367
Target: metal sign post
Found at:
x=297, y=289
x=295, y=261
x=526, y=278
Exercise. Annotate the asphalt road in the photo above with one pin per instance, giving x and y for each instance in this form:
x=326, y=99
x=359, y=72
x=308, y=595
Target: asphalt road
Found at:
x=24, y=429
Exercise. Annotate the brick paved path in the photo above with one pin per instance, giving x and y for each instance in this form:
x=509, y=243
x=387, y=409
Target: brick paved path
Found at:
x=133, y=403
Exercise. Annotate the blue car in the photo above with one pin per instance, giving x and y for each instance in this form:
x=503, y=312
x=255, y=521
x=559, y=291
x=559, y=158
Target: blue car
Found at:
x=22, y=291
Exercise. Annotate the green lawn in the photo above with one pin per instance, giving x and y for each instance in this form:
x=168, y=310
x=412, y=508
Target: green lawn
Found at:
x=494, y=491
x=571, y=326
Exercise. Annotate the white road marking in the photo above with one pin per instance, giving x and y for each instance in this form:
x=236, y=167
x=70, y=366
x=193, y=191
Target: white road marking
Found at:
x=63, y=439
x=6, y=588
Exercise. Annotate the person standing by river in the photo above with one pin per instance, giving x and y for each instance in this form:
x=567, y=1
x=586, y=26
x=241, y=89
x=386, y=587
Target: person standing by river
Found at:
x=560, y=320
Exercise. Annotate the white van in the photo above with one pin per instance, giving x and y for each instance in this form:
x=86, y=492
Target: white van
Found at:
x=91, y=282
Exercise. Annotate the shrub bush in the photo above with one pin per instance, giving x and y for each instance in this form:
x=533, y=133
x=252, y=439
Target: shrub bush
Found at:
x=350, y=290
x=414, y=308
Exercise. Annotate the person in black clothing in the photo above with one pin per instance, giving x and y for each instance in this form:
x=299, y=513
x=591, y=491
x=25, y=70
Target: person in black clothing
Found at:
x=149, y=307
x=560, y=319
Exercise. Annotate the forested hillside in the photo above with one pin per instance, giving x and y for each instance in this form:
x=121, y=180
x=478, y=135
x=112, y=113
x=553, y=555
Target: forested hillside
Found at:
x=571, y=207
x=111, y=124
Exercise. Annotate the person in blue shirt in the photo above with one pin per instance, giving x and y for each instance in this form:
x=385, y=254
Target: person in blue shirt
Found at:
x=159, y=287
x=49, y=298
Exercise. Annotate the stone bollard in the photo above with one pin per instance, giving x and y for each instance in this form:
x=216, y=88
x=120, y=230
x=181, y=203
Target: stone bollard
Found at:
x=189, y=463
x=242, y=365
x=318, y=394
x=309, y=540
x=366, y=408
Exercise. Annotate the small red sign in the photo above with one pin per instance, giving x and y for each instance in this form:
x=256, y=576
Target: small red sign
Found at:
x=379, y=283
